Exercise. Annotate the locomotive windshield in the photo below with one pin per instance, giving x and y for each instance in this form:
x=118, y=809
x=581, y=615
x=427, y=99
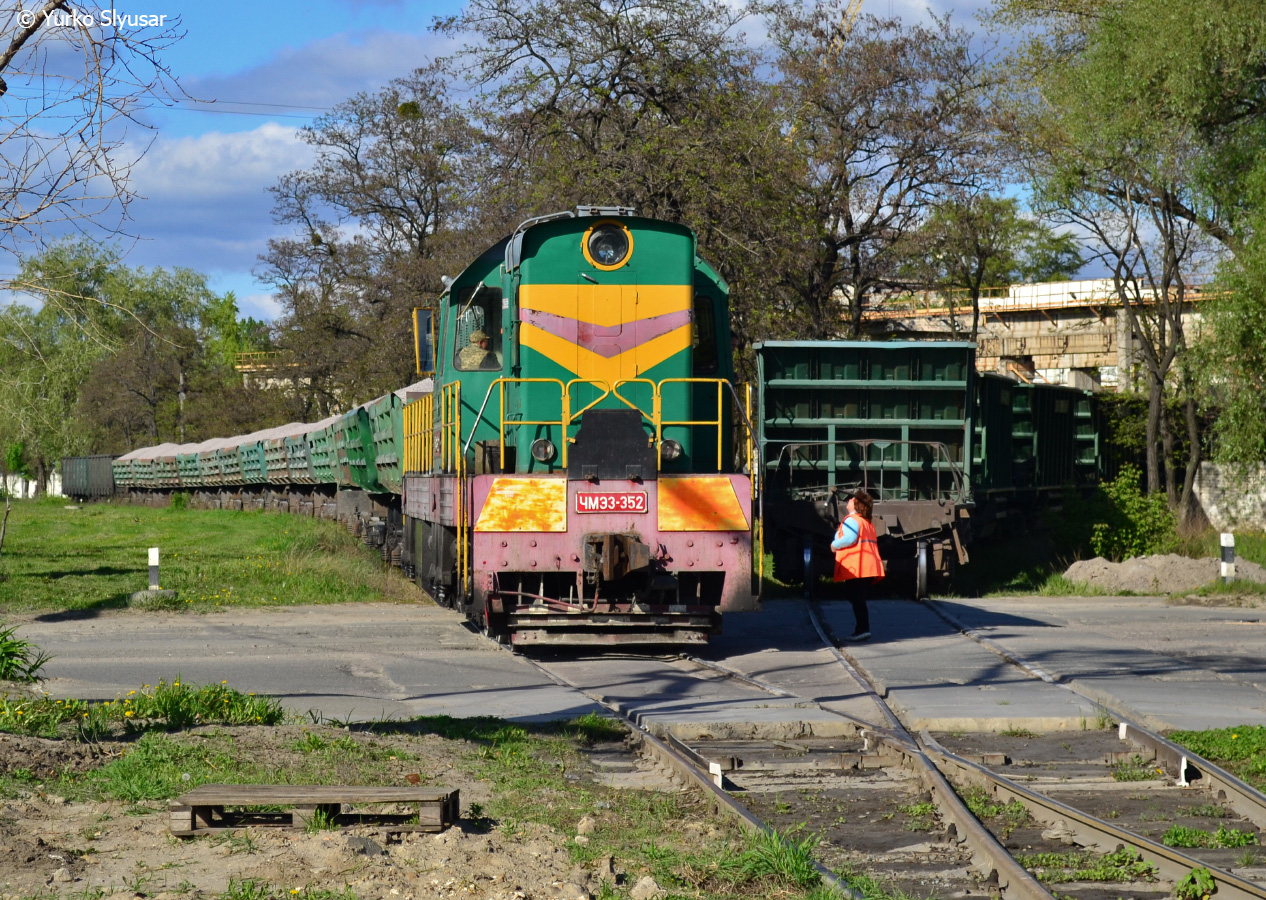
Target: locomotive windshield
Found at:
x=478, y=329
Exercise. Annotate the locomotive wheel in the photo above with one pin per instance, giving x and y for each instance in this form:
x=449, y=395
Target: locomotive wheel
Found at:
x=922, y=572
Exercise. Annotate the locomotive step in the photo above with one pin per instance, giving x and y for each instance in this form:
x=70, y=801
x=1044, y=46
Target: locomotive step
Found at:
x=203, y=810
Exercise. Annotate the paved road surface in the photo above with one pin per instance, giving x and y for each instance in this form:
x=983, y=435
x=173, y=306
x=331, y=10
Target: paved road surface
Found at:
x=1166, y=666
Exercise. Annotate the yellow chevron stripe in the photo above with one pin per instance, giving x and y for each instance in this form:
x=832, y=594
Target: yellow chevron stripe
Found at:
x=610, y=306
x=587, y=364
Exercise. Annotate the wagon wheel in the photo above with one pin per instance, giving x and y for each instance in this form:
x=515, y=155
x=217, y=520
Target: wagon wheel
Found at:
x=922, y=572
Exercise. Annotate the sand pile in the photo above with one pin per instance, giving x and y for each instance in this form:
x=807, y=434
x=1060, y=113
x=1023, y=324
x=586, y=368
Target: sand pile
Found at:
x=1166, y=574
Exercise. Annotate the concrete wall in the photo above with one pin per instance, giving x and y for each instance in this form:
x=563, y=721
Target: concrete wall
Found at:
x=1233, y=500
x=23, y=488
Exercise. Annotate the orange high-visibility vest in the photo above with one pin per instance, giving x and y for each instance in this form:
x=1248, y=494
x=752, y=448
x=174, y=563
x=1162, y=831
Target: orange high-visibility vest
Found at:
x=861, y=559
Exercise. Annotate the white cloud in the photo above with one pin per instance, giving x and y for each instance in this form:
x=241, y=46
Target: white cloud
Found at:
x=214, y=165
x=259, y=306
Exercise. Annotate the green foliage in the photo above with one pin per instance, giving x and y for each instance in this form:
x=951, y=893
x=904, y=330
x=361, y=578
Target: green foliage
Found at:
x=1013, y=815
x=255, y=889
x=159, y=707
x=1223, y=838
x=1120, y=866
x=1136, y=768
x=774, y=860
x=179, y=501
x=1198, y=884
x=1118, y=521
x=15, y=459
x=20, y=660
x=920, y=816
x=1241, y=750
x=592, y=728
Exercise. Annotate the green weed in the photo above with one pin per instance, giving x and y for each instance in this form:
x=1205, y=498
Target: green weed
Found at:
x=592, y=728
x=920, y=816
x=1120, y=866
x=1198, y=884
x=1017, y=732
x=1013, y=815
x=255, y=889
x=1134, y=769
x=1223, y=838
x=772, y=859
x=1209, y=811
x=20, y=660
x=1241, y=750
x=1248, y=859
x=164, y=706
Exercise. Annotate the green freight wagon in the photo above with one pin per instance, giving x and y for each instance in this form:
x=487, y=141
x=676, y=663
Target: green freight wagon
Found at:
x=386, y=422
x=355, y=444
x=893, y=418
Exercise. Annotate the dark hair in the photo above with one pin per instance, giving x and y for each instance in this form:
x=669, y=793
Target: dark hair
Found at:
x=863, y=504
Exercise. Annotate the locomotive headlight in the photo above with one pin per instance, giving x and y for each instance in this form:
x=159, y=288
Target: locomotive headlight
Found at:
x=543, y=450
x=669, y=450
x=607, y=245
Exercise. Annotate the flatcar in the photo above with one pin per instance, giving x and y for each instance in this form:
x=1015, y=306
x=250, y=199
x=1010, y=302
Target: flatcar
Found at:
x=577, y=466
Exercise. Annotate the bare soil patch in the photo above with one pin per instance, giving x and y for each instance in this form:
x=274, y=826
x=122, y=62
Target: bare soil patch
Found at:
x=57, y=839
x=1162, y=574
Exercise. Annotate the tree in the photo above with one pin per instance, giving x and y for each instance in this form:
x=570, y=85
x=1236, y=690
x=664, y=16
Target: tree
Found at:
x=1098, y=127
x=378, y=215
x=986, y=242
x=654, y=104
x=889, y=122
x=73, y=85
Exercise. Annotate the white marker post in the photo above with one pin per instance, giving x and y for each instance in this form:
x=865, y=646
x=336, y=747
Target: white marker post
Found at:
x=1228, y=557
x=153, y=568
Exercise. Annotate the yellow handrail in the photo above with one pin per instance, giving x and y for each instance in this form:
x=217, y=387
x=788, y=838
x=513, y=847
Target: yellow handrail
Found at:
x=717, y=423
x=562, y=406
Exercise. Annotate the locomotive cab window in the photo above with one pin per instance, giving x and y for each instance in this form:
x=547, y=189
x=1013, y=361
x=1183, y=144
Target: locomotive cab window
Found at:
x=705, y=336
x=477, y=318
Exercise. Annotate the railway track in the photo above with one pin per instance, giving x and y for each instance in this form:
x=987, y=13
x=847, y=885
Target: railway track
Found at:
x=1089, y=815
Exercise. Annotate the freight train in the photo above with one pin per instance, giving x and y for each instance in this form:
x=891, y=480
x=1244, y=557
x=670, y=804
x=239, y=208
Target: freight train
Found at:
x=578, y=468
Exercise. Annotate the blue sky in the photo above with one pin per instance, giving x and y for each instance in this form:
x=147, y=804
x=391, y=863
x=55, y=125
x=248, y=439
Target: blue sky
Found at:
x=270, y=66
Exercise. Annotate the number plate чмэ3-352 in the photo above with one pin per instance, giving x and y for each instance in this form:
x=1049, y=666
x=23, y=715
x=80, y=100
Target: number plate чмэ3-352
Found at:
x=618, y=502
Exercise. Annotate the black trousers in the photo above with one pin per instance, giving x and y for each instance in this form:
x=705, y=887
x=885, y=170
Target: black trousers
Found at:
x=855, y=591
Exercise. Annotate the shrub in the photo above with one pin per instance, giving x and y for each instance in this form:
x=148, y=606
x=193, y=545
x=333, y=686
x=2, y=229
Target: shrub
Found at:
x=1118, y=521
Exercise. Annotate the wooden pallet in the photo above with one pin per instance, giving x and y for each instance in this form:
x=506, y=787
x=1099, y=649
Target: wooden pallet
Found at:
x=205, y=809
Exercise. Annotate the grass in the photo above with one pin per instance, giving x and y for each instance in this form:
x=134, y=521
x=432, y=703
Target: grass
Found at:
x=1013, y=815
x=1223, y=838
x=920, y=816
x=159, y=707
x=1241, y=751
x=1135, y=769
x=92, y=558
x=528, y=770
x=1123, y=865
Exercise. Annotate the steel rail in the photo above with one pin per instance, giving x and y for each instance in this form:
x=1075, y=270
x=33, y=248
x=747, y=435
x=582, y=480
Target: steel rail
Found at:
x=1087, y=830
x=1190, y=769
x=687, y=771
x=988, y=855
x=1195, y=771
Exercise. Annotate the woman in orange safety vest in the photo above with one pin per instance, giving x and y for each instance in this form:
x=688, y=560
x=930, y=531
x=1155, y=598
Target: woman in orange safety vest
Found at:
x=857, y=562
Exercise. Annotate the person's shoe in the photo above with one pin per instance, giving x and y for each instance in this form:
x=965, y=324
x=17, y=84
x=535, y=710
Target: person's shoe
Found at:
x=859, y=637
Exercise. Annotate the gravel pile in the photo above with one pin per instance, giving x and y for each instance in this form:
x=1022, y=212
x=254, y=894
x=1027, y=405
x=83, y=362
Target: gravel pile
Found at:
x=1167, y=574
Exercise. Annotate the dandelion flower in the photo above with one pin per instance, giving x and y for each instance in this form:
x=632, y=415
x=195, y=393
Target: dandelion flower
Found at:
x=130, y=712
